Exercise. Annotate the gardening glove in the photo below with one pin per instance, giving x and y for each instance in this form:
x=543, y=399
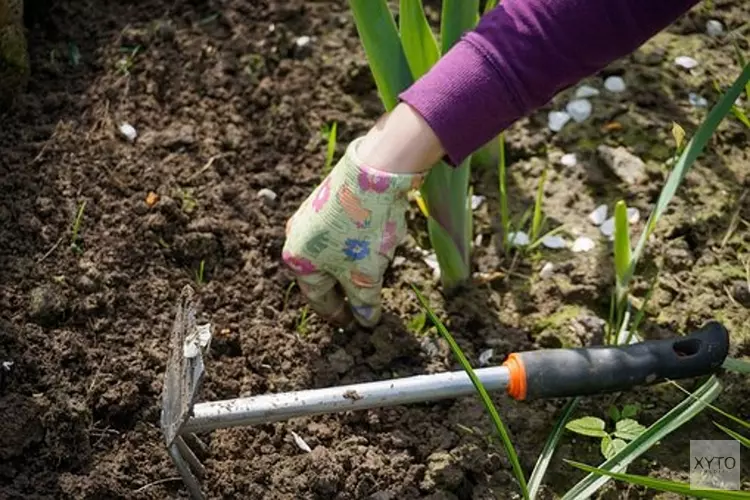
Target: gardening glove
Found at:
x=14, y=57
x=344, y=236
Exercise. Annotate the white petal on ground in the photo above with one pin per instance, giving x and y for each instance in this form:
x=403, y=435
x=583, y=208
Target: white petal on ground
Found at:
x=615, y=84
x=557, y=120
x=266, y=194
x=478, y=240
x=7, y=365
x=608, y=227
x=476, y=201
x=714, y=27
x=697, y=100
x=554, y=241
x=547, y=270
x=583, y=244
x=598, y=215
x=633, y=215
x=579, y=109
x=303, y=41
x=569, y=160
x=586, y=91
x=128, y=132
x=399, y=260
x=300, y=442
x=431, y=260
x=686, y=62
x=485, y=356
x=518, y=239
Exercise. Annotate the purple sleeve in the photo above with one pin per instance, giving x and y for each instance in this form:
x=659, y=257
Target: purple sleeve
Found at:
x=520, y=55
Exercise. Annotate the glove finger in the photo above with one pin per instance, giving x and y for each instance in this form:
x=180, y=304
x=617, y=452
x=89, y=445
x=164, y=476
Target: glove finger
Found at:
x=363, y=294
x=320, y=292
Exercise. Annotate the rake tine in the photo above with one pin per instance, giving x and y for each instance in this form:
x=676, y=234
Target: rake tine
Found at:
x=183, y=468
x=196, y=444
x=189, y=456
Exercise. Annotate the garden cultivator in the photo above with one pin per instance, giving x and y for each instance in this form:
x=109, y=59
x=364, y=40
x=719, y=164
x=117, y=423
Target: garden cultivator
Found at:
x=550, y=373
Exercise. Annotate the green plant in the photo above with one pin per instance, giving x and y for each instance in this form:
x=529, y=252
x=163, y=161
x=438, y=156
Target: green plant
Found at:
x=398, y=55
x=199, y=273
x=126, y=62
x=626, y=429
x=75, y=237
x=329, y=134
x=302, y=321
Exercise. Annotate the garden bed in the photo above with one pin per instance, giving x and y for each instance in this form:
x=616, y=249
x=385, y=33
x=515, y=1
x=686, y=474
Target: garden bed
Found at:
x=227, y=102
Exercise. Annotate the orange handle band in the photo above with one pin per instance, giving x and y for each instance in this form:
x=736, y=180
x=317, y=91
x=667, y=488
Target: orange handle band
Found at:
x=516, y=377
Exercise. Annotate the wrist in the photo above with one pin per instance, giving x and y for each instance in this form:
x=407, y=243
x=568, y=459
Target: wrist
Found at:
x=401, y=142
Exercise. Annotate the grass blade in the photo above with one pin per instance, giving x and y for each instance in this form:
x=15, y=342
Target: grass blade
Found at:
x=542, y=463
x=417, y=39
x=491, y=4
x=739, y=437
x=385, y=55
x=458, y=16
x=670, y=422
x=536, y=222
x=503, y=180
x=664, y=485
x=622, y=250
x=691, y=152
x=330, y=147
x=496, y=420
x=737, y=365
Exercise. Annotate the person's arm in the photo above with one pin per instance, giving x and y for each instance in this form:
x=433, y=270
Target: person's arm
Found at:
x=518, y=57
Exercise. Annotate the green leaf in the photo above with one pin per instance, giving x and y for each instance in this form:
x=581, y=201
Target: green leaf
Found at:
x=587, y=426
x=330, y=147
x=692, y=150
x=536, y=222
x=673, y=420
x=382, y=44
x=611, y=447
x=678, y=133
x=491, y=4
x=739, y=437
x=663, y=484
x=503, y=180
x=417, y=39
x=542, y=463
x=457, y=17
x=484, y=396
x=628, y=429
x=418, y=322
x=737, y=365
x=454, y=268
x=614, y=413
x=622, y=251
x=630, y=410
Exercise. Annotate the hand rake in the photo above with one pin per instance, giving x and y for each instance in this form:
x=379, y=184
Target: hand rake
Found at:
x=548, y=373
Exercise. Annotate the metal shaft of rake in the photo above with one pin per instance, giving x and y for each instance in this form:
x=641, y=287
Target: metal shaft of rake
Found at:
x=283, y=406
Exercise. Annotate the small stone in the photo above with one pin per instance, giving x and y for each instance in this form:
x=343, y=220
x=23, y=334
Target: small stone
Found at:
x=598, y=215
x=547, y=271
x=697, y=100
x=556, y=120
x=585, y=91
x=485, y=357
x=741, y=292
x=625, y=164
x=583, y=244
x=608, y=227
x=633, y=215
x=519, y=239
x=579, y=109
x=615, y=84
x=46, y=306
x=554, y=242
x=128, y=132
x=686, y=62
x=569, y=160
x=267, y=195
x=714, y=27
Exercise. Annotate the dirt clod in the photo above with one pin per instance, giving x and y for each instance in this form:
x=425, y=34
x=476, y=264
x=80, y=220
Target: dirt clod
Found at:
x=47, y=305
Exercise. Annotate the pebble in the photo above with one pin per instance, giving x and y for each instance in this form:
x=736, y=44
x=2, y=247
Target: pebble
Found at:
x=519, y=239
x=625, y=164
x=583, y=244
x=547, y=270
x=585, y=91
x=608, y=227
x=697, y=100
x=128, y=132
x=598, y=215
x=554, y=242
x=686, y=62
x=714, y=27
x=569, y=160
x=557, y=120
x=615, y=84
x=579, y=109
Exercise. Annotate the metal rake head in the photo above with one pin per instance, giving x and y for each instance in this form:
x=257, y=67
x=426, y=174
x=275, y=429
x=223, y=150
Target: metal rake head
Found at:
x=182, y=382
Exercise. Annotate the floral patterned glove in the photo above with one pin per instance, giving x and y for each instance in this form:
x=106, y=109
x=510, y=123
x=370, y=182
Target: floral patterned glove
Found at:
x=344, y=236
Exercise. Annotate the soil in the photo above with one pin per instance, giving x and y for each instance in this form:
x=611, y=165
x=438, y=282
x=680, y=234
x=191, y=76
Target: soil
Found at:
x=226, y=103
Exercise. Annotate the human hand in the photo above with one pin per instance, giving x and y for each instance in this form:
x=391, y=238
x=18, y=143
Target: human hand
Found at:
x=343, y=237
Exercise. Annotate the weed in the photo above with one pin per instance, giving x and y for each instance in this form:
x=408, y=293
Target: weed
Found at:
x=302, y=321
x=626, y=429
x=75, y=238
x=126, y=62
x=199, y=273
x=329, y=134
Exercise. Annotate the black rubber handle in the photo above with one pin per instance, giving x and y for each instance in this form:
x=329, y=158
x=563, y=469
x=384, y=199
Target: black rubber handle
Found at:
x=553, y=373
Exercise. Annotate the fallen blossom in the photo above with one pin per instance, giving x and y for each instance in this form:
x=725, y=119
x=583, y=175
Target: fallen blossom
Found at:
x=633, y=215
x=554, y=242
x=485, y=356
x=569, y=160
x=608, y=227
x=583, y=244
x=686, y=62
x=300, y=442
x=556, y=120
x=697, y=100
x=128, y=132
x=476, y=201
x=598, y=215
x=586, y=91
x=519, y=239
x=615, y=84
x=579, y=109
x=547, y=270
x=714, y=27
